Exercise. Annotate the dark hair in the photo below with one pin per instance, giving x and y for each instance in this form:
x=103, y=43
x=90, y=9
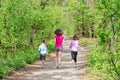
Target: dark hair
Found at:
x=58, y=32
x=75, y=37
x=43, y=40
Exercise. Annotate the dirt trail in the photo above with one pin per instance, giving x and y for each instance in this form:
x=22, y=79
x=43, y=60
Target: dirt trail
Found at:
x=66, y=72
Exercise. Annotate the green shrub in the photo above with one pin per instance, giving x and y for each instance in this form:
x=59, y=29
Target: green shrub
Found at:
x=19, y=62
x=2, y=68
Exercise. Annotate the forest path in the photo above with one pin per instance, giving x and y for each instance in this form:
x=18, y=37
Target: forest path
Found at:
x=67, y=70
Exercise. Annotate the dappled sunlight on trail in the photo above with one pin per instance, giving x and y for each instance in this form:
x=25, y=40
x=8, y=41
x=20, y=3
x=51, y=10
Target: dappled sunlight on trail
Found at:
x=66, y=71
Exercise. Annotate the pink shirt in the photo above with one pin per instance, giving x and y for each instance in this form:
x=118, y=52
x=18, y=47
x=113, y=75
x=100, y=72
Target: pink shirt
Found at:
x=58, y=40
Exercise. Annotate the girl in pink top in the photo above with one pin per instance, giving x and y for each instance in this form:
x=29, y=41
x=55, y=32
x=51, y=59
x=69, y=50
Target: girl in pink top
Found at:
x=58, y=46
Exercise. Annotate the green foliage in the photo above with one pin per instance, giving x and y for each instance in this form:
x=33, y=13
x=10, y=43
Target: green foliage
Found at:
x=99, y=19
x=50, y=46
x=88, y=42
x=106, y=26
x=82, y=19
x=23, y=24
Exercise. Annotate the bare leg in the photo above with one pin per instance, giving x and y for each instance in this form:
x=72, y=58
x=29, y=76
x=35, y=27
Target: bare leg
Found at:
x=59, y=56
x=41, y=63
x=56, y=59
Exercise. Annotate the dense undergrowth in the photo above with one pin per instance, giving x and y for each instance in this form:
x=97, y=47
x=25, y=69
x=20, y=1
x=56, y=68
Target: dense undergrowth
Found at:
x=24, y=23
x=25, y=55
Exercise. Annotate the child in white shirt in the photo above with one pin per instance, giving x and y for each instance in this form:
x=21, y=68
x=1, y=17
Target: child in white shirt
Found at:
x=43, y=51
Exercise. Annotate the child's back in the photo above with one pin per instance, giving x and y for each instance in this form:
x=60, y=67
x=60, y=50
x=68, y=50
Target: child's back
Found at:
x=43, y=51
x=43, y=48
x=59, y=40
x=74, y=45
x=74, y=49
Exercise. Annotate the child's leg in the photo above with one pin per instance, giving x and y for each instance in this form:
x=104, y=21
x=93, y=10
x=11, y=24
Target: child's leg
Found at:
x=41, y=60
x=75, y=58
x=72, y=56
x=60, y=53
x=42, y=63
x=56, y=54
x=59, y=56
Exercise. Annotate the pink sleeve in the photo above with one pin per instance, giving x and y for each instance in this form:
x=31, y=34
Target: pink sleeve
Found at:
x=63, y=37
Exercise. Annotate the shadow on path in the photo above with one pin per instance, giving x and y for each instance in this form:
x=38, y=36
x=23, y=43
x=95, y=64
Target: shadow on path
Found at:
x=66, y=72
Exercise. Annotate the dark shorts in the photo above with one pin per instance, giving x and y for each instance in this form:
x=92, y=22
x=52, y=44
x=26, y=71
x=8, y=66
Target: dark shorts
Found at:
x=42, y=56
x=58, y=48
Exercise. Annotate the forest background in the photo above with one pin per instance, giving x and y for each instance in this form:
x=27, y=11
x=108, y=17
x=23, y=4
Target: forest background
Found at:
x=24, y=23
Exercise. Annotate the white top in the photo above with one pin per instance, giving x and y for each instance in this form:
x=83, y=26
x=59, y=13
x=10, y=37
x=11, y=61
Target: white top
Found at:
x=42, y=49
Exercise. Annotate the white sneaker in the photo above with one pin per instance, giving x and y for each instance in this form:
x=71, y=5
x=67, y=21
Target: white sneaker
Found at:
x=72, y=61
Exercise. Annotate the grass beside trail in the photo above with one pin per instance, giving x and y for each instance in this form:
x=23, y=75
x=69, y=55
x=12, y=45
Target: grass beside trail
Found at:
x=24, y=55
x=87, y=42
